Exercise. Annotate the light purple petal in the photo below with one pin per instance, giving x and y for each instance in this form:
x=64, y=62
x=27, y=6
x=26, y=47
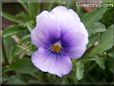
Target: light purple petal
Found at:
x=65, y=17
x=37, y=38
x=77, y=41
x=62, y=13
x=47, y=24
x=46, y=27
x=76, y=52
x=49, y=63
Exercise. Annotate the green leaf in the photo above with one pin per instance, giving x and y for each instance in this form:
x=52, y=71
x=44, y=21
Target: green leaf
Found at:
x=34, y=8
x=111, y=53
x=23, y=66
x=14, y=80
x=12, y=30
x=24, y=4
x=79, y=10
x=51, y=5
x=106, y=40
x=90, y=19
x=29, y=25
x=92, y=40
x=4, y=79
x=26, y=38
x=79, y=70
x=10, y=17
x=35, y=82
x=23, y=17
x=98, y=27
x=110, y=64
x=8, y=49
x=108, y=1
x=25, y=48
x=69, y=3
x=104, y=43
x=101, y=62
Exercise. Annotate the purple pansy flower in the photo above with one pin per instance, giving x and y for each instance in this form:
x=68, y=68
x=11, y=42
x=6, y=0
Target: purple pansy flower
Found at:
x=60, y=37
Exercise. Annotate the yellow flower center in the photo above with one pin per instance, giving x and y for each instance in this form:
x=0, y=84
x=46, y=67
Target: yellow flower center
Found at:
x=56, y=47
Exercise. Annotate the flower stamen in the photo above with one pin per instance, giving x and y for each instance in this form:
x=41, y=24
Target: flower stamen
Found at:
x=56, y=47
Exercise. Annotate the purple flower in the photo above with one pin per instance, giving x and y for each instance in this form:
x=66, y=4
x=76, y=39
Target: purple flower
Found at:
x=60, y=37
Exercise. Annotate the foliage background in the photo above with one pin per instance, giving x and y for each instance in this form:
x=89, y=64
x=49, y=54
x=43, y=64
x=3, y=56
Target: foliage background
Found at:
x=95, y=66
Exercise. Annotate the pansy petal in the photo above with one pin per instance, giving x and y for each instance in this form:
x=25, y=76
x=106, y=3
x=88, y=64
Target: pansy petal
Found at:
x=75, y=41
x=47, y=25
x=49, y=63
x=70, y=22
x=75, y=46
x=59, y=11
x=70, y=17
x=46, y=28
x=37, y=38
x=77, y=52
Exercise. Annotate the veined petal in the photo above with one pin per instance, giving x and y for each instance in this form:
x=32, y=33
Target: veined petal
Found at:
x=65, y=17
x=75, y=41
x=46, y=28
x=49, y=63
x=47, y=24
x=76, y=52
x=69, y=14
x=38, y=38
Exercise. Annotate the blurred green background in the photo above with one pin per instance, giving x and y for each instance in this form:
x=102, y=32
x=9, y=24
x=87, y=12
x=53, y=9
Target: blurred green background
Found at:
x=96, y=65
